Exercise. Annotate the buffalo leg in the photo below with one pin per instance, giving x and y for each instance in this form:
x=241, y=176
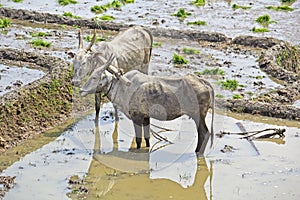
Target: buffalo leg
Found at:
x=203, y=136
x=97, y=105
x=146, y=126
x=138, y=134
x=116, y=113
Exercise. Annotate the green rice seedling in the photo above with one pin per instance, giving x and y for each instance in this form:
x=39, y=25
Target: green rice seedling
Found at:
x=236, y=6
x=70, y=14
x=4, y=23
x=99, y=9
x=229, y=84
x=250, y=93
x=179, y=60
x=264, y=20
x=107, y=17
x=198, y=3
x=260, y=30
x=237, y=96
x=280, y=8
x=17, y=1
x=216, y=71
x=0, y=5
x=66, y=2
x=288, y=1
x=198, y=23
x=114, y=4
x=156, y=44
x=219, y=96
x=127, y=1
x=190, y=50
x=98, y=38
x=38, y=34
x=40, y=43
x=181, y=14
x=4, y=32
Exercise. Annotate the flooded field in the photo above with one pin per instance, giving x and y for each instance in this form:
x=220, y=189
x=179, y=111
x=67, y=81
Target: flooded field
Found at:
x=259, y=169
x=13, y=76
x=81, y=161
x=218, y=15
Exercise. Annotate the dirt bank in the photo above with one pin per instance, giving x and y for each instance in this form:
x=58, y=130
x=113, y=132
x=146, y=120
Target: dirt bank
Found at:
x=38, y=106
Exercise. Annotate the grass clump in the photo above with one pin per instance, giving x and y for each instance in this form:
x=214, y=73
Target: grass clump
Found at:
x=237, y=96
x=38, y=34
x=288, y=1
x=280, y=8
x=66, y=2
x=4, y=23
x=264, y=20
x=127, y=1
x=236, y=6
x=219, y=96
x=229, y=85
x=0, y=5
x=98, y=38
x=157, y=44
x=70, y=14
x=17, y=1
x=280, y=59
x=107, y=17
x=190, y=51
x=40, y=43
x=250, y=93
x=198, y=23
x=181, y=14
x=179, y=60
x=4, y=32
x=198, y=3
x=260, y=30
x=99, y=9
x=114, y=4
x=216, y=71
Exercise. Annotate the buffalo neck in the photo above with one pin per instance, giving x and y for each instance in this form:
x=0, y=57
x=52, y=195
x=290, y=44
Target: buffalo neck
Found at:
x=112, y=89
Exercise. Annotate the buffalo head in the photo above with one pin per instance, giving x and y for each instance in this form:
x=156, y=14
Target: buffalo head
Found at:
x=80, y=61
x=97, y=80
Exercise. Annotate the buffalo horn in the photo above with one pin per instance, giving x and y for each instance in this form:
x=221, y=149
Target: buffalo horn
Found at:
x=80, y=39
x=92, y=42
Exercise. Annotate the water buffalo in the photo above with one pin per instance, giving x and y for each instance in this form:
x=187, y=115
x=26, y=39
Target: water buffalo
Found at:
x=162, y=98
x=132, y=48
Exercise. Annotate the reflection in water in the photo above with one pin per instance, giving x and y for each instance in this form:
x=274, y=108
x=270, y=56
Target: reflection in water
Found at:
x=175, y=161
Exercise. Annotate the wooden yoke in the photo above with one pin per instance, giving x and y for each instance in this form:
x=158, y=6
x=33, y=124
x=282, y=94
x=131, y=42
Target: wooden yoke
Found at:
x=118, y=73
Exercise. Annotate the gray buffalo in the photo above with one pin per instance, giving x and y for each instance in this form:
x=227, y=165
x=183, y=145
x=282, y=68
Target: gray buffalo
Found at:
x=132, y=48
x=140, y=96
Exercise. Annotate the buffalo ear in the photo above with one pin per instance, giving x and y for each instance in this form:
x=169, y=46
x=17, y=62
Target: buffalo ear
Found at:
x=70, y=54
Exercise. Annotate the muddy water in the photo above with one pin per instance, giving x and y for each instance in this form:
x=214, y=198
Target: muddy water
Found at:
x=218, y=14
x=13, y=76
x=262, y=169
x=52, y=164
